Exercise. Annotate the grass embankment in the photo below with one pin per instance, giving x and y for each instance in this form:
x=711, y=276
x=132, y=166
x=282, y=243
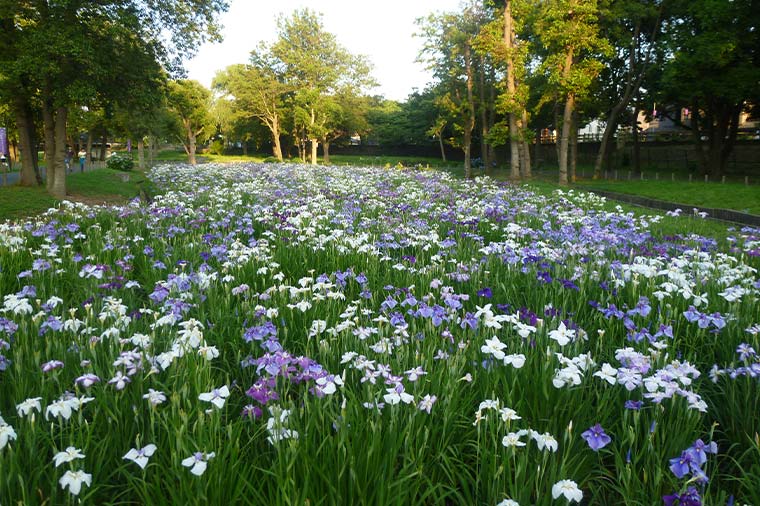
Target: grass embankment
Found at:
x=740, y=197
x=99, y=186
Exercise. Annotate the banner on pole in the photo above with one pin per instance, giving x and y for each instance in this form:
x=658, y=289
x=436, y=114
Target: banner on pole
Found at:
x=4, y=141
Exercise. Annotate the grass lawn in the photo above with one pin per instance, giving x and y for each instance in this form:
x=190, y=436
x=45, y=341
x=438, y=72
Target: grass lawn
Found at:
x=19, y=201
x=180, y=156
x=99, y=186
x=354, y=160
x=715, y=195
x=392, y=160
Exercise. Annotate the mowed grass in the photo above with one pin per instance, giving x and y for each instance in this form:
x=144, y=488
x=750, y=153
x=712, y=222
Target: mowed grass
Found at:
x=106, y=183
x=740, y=197
x=19, y=201
x=99, y=186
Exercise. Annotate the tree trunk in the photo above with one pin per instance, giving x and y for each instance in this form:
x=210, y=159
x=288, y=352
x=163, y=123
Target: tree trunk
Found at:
x=141, y=153
x=527, y=172
x=48, y=126
x=483, y=119
x=573, y=148
x=88, y=158
x=491, y=110
x=557, y=128
x=720, y=125
x=59, y=159
x=636, y=148
x=276, y=147
x=55, y=148
x=314, y=144
x=565, y=138
x=470, y=121
x=443, y=151
x=567, y=119
x=103, y=141
x=514, y=134
x=30, y=173
x=326, y=152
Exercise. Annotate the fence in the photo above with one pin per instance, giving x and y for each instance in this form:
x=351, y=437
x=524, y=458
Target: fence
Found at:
x=658, y=160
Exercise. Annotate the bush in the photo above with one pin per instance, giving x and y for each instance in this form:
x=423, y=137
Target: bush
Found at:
x=271, y=159
x=120, y=161
x=216, y=147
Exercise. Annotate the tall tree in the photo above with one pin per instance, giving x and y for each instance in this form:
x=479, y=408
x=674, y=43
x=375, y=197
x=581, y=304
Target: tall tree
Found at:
x=316, y=66
x=191, y=103
x=258, y=90
x=570, y=31
x=449, y=52
x=632, y=27
x=714, y=71
x=64, y=54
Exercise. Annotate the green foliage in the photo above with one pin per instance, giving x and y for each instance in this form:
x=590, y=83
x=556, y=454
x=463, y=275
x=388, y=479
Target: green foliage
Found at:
x=121, y=161
x=216, y=147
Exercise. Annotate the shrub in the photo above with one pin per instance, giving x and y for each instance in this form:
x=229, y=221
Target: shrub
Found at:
x=120, y=161
x=216, y=147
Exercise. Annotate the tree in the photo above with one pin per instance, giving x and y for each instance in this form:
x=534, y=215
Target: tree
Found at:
x=449, y=53
x=633, y=28
x=191, y=101
x=316, y=66
x=569, y=29
x=714, y=71
x=503, y=42
x=66, y=53
x=258, y=90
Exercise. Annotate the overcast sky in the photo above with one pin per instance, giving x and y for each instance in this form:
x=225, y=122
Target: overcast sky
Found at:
x=380, y=29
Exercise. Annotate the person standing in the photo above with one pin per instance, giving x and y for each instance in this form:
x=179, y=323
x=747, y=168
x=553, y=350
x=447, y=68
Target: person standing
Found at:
x=82, y=158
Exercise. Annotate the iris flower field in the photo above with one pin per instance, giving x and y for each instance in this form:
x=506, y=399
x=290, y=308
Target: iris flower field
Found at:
x=290, y=335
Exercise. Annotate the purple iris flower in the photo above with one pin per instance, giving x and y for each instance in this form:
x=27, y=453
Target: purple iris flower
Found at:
x=745, y=351
x=469, y=320
x=681, y=466
x=692, y=314
x=596, y=437
x=485, y=292
x=689, y=498
x=51, y=365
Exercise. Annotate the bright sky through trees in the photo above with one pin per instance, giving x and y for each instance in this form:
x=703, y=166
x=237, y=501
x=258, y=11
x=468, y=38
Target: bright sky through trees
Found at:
x=381, y=30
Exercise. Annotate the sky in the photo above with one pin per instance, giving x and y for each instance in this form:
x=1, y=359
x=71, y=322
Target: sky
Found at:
x=381, y=30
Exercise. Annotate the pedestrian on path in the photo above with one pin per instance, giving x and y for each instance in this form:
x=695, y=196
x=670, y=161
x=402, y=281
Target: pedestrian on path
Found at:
x=82, y=158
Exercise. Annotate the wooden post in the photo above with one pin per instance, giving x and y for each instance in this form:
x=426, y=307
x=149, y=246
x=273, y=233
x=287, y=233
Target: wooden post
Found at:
x=706, y=176
x=690, y=177
x=673, y=176
x=723, y=180
x=746, y=180
x=656, y=176
x=616, y=174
